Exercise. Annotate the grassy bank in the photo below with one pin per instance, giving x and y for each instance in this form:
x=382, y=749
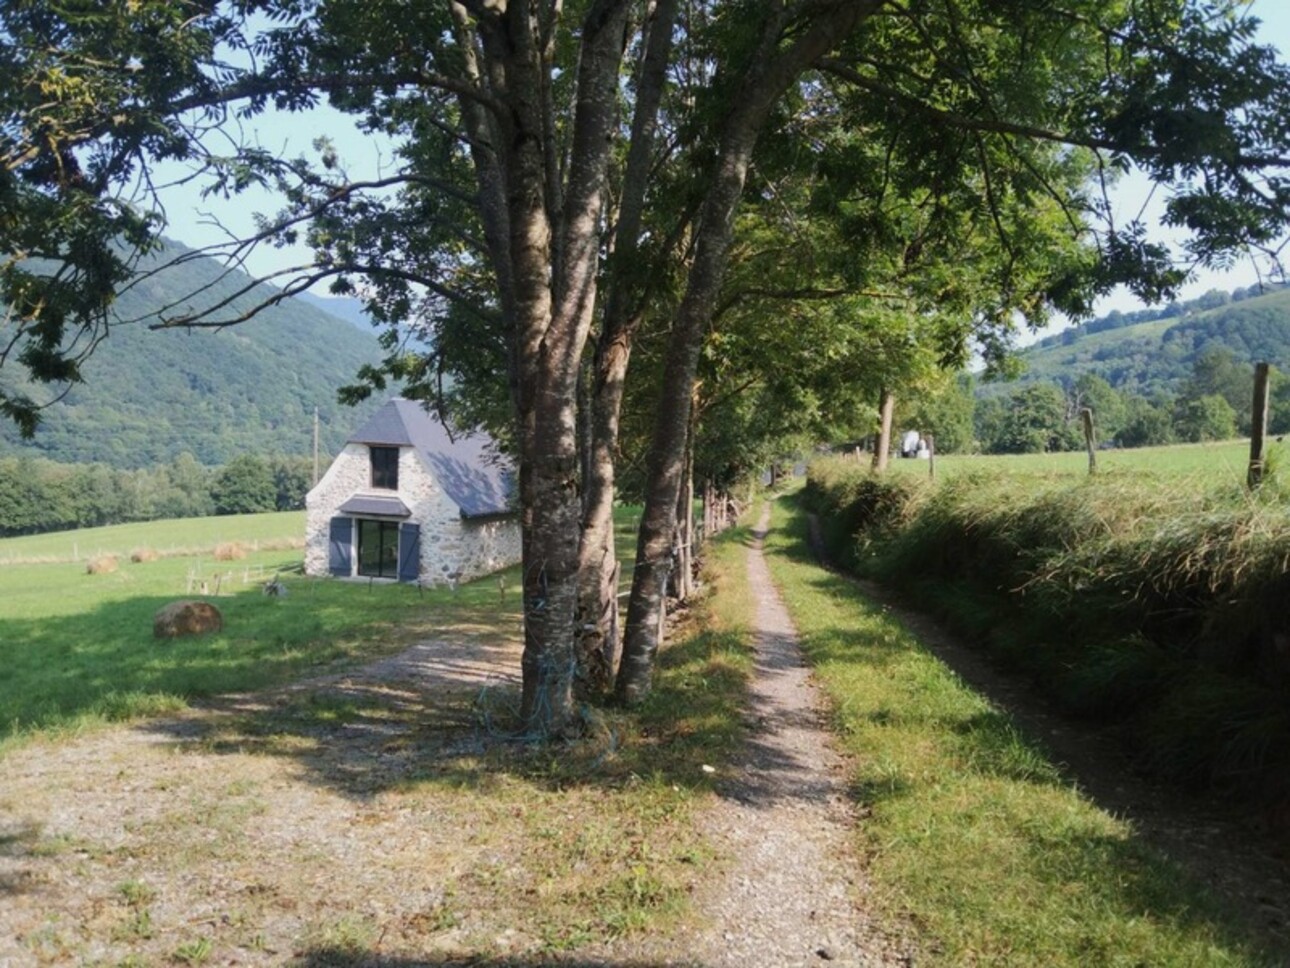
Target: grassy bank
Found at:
x=1145, y=600
x=972, y=834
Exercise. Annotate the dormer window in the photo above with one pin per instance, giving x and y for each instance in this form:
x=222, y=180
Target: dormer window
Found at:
x=385, y=468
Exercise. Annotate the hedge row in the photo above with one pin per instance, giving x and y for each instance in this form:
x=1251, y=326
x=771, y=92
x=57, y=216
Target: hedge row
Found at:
x=1129, y=598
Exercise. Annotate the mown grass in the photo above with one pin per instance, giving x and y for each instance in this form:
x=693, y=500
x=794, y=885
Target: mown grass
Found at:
x=1215, y=463
x=187, y=537
x=974, y=837
x=96, y=660
x=78, y=649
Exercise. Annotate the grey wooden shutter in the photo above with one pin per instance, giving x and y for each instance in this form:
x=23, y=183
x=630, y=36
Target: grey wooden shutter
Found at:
x=409, y=551
x=340, y=556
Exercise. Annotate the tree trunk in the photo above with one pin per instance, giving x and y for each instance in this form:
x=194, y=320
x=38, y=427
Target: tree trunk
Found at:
x=769, y=75
x=549, y=263
x=598, y=562
x=682, y=584
x=548, y=481
x=597, y=618
x=687, y=529
x=882, y=449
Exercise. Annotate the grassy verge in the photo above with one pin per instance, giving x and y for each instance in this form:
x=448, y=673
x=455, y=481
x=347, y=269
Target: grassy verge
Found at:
x=972, y=834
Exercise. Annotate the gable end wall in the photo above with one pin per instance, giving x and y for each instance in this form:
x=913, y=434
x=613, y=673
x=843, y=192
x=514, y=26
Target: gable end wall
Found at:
x=449, y=545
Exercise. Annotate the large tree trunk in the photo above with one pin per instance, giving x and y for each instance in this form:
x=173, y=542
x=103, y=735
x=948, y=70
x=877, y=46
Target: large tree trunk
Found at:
x=550, y=262
x=770, y=74
x=598, y=621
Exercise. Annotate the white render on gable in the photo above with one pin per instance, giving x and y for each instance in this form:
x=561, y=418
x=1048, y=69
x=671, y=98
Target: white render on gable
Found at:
x=452, y=547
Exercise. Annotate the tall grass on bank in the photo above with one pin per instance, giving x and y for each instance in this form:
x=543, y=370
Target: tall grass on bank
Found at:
x=971, y=833
x=1140, y=599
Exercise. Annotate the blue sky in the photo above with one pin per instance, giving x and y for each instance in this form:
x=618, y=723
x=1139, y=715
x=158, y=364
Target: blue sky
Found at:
x=198, y=222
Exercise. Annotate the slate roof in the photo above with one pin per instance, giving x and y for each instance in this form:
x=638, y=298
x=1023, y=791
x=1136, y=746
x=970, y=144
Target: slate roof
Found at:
x=469, y=469
x=389, y=507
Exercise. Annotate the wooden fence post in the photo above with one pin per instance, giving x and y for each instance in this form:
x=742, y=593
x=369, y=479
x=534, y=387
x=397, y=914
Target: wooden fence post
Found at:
x=1090, y=441
x=931, y=456
x=1258, y=426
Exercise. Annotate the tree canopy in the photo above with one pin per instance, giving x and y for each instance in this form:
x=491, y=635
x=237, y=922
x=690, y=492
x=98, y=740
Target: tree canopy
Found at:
x=901, y=177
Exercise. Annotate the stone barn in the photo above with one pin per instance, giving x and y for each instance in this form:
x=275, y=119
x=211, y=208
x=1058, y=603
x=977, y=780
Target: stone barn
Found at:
x=405, y=501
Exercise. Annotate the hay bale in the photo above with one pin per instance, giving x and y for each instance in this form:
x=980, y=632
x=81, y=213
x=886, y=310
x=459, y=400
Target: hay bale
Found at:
x=188, y=617
x=101, y=565
x=140, y=555
x=230, y=551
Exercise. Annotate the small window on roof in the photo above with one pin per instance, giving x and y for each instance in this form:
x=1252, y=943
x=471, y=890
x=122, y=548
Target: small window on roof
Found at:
x=385, y=468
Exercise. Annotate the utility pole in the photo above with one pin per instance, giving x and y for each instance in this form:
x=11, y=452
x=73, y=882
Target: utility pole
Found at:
x=315, y=484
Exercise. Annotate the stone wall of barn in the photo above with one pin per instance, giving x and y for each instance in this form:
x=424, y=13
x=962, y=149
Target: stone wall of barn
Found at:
x=472, y=548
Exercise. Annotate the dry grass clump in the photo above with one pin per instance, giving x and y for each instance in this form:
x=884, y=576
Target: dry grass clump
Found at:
x=230, y=551
x=140, y=555
x=101, y=565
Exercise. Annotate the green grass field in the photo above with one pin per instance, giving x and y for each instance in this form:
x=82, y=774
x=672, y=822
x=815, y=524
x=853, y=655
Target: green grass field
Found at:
x=1210, y=463
x=77, y=648
x=167, y=537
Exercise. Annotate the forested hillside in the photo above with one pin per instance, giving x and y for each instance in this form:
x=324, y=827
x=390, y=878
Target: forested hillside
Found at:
x=149, y=396
x=1156, y=356
x=1180, y=374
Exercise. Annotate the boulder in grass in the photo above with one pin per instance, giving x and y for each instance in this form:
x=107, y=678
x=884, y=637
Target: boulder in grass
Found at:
x=186, y=618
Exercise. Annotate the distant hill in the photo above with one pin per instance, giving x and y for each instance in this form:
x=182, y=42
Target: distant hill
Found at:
x=342, y=307
x=1157, y=355
x=251, y=388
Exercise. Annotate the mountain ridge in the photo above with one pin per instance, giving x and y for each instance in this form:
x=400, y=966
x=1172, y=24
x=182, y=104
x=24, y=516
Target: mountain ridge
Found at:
x=148, y=396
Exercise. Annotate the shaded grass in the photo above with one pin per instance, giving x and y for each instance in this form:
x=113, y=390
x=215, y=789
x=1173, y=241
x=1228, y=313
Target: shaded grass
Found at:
x=973, y=835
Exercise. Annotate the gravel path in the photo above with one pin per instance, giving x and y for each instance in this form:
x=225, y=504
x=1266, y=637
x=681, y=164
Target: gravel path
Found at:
x=795, y=893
